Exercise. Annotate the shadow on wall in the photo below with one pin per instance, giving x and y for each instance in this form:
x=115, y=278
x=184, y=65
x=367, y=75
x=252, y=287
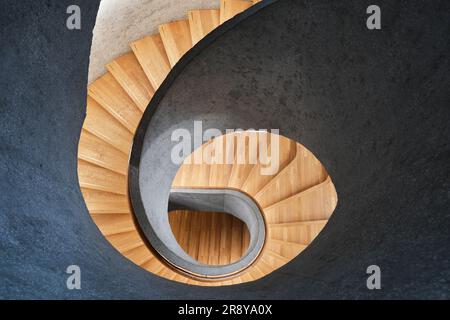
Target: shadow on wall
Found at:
x=119, y=22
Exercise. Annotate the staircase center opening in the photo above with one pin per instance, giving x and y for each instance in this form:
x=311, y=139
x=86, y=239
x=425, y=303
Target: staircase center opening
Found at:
x=211, y=238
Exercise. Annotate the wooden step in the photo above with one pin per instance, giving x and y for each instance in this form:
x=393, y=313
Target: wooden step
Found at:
x=315, y=203
x=102, y=124
x=192, y=174
x=94, y=177
x=264, y=265
x=246, y=277
x=284, y=248
x=97, y=151
x=105, y=202
x=153, y=59
x=130, y=75
x=180, y=278
x=111, y=96
x=176, y=38
x=304, y=172
x=273, y=259
x=139, y=255
x=167, y=273
x=110, y=224
x=296, y=232
x=153, y=265
x=219, y=174
x=202, y=22
x=230, y=8
x=245, y=157
x=256, y=180
x=126, y=241
x=255, y=272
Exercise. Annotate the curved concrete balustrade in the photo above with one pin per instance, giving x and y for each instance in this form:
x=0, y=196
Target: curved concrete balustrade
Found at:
x=228, y=201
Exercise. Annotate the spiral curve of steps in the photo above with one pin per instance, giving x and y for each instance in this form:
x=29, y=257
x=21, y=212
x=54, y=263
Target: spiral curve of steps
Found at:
x=115, y=104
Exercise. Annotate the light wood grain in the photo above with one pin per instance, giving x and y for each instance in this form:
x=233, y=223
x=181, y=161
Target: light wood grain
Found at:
x=105, y=202
x=257, y=178
x=153, y=59
x=130, y=75
x=246, y=145
x=230, y=8
x=176, y=37
x=139, y=255
x=126, y=241
x=286, y=249
x=102, y=124
x=110, y=224
x=316, y=203
x=296, y=232
x=97, y=151
x=111, y=96
x=94, y=177
x=210, y=238
x=202, y=22
x=302, y=173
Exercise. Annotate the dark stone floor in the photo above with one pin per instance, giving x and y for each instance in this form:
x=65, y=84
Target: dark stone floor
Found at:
x=371, y=105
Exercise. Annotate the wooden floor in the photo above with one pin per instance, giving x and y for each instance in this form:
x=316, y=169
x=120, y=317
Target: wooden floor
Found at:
x=297, y=200
x=212, y=238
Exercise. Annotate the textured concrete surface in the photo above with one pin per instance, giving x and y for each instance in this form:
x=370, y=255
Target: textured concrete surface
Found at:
x=120, y=22
x=219, y=200
x=372, y=106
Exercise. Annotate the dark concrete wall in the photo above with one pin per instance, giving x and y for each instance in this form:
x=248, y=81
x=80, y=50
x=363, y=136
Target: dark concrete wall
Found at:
x=372, y=106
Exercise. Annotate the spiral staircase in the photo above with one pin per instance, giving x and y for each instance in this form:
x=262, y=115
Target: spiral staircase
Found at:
x=370, y=105
x=296, y=201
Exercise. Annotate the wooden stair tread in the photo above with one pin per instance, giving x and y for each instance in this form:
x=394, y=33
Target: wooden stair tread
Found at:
x=153, y=265
x=176, y=37
x=202, y=22
x=256, y=180
x=230, y=8
x=111, y=96
x=105, y=202
x=285, y=249
x=296, y=232
x=139, y=255
x=110, y=224
x=302, y=173
x=297, y=224
x=126, y=241
x=130, y=75
x=153, y=59
x=94, y=177
x=316, y=203
x=102, y=124
x=99, y=152
x=245, y=157
x=273, y=259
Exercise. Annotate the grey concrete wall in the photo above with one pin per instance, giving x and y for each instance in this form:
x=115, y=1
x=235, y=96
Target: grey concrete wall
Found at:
x=120, y=22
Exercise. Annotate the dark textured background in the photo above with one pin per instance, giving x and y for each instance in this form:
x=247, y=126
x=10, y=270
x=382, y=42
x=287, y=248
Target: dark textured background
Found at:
x=371, y=105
